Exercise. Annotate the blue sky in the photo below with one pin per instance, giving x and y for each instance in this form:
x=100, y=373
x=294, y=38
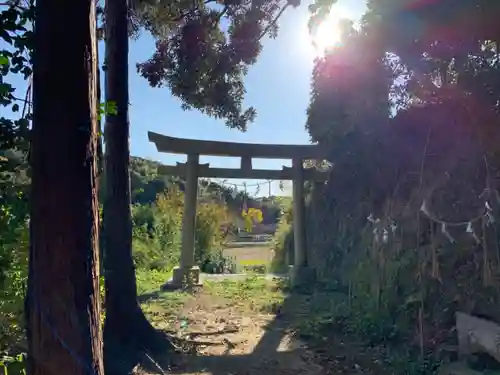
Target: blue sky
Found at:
x=278, y=87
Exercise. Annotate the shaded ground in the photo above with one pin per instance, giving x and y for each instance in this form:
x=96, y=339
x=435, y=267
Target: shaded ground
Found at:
x=247, y=327
x=233, y=330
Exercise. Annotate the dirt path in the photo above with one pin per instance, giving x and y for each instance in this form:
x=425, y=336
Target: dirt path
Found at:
x=236, y=328
x=256, y=344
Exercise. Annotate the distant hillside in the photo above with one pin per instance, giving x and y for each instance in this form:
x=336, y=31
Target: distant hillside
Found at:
x=146, y=184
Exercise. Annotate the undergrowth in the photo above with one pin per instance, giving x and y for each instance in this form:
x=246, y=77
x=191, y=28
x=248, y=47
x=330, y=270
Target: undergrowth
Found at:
x=334, y=323
x=151, y=280
x=157, y=232
x=283, y=240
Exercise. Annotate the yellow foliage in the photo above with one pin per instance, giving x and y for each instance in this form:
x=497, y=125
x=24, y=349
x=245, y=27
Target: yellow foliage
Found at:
x=252, y=216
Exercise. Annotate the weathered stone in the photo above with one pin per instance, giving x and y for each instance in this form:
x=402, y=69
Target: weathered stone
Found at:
x=476, y=335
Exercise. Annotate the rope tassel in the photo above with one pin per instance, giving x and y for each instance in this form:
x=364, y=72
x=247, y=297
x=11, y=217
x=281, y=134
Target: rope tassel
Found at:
x=444, y=230
x=470, y=230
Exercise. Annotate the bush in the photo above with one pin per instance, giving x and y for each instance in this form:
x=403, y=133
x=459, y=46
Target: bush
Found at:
x=209, y=238
x=216, y=262
x=283, y=239
x=157, y=230
x=14, y=248
x=157, y=233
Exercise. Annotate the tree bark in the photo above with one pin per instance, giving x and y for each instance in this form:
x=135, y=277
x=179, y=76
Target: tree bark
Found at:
x=127, y=332
x=63, y=302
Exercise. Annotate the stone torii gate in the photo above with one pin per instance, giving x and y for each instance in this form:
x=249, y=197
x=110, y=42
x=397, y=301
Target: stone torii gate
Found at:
x=187, y=272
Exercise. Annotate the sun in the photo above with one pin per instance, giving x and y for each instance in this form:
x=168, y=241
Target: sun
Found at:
x=328, y=33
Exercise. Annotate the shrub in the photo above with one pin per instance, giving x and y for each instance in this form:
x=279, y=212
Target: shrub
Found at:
x=157, y=231
x=217, y=262
x=14, y=248
x=158, y=227
x=209, y=240
x=283, y=238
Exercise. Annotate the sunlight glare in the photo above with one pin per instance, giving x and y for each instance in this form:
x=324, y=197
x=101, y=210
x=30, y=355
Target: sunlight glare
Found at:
x=328, y=33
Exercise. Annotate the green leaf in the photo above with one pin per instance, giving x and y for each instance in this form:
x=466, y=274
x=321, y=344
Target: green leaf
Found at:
x=4, y=89
x=15, y=108
x=107, y=108
x=4, y=60
x=111, y=108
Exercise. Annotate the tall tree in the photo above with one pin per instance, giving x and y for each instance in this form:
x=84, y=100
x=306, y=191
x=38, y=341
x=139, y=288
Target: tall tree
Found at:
x=122, y=308
x=63, y=313
x=448, y=47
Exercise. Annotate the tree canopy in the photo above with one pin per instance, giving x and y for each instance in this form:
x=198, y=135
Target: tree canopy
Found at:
x=204, y=50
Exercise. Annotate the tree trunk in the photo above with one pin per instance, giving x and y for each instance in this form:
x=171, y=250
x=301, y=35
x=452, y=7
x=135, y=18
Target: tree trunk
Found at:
x=63, y=312
x=127, y=332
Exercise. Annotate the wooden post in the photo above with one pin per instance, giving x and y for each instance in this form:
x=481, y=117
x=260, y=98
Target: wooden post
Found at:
x=187, y=272
x=298, y=216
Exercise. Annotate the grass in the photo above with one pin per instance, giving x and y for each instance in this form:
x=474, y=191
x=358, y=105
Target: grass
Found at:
x=251, y=294
x=253, y=262
x=164, y=310
x=163, y=307
x=151, y=280
x=322, y=318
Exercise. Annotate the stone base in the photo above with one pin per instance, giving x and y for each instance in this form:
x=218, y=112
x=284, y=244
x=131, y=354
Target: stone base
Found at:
x=301, y=276
x=186, y=277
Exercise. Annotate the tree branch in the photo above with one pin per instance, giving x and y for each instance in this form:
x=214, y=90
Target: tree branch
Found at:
x=221, y=14
x=14, y=4
x=273, y=22
x=193, y=9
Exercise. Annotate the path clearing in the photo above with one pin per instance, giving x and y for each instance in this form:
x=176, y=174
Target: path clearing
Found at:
x=237, y=325
x=232, y=327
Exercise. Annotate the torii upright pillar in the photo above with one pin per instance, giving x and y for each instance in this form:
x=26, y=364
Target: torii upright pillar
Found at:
x=187, y=274
x=298, y=215
x=299, y=269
